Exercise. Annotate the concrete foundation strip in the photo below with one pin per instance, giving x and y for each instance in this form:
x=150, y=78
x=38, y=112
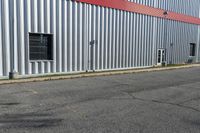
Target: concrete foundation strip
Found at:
x=92, y=74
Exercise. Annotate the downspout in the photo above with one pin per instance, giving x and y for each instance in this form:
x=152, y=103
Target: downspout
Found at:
x=198, y=41
x=154, y=49
x=13, y=42
x=11, y=38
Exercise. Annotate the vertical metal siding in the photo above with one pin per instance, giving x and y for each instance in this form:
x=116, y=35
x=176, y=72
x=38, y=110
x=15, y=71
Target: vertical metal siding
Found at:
x=5, y=37
x=1, y=43
x=187, y=7
x=180, y=38
x=132, y=42
x=198, y=40
x=89, y=37
x=198, y=46
x=144, y=2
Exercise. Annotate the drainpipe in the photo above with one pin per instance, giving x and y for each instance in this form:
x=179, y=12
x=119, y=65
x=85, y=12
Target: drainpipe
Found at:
x=171, y=53
x=154, y=49
x=198, y=42
x=165, y=13
x=13, y=73
x=197, y=46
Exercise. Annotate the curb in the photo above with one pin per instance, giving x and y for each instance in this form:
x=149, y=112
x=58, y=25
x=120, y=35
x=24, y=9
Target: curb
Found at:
x=105, y=73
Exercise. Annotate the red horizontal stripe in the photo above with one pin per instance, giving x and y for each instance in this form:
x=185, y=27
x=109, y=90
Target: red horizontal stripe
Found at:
x=142, y=9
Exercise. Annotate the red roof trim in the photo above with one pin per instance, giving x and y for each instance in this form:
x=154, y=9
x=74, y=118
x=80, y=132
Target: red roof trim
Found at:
x=142, y=9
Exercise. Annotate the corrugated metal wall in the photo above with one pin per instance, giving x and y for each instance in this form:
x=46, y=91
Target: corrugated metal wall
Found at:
x=119, y=39
x=187, y=7
x=198, y=46
x=4, y=38
x=66, y=20
x=87, y=37
x=145, y=2
x=175, y=37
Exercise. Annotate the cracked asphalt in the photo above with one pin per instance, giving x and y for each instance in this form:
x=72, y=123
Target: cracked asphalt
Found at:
x=150, y=102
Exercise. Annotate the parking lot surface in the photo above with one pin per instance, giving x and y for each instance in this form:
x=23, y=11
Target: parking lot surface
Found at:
x=150, y=102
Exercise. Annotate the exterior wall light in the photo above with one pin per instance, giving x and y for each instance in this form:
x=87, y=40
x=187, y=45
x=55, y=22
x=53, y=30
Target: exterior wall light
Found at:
x=165, y=13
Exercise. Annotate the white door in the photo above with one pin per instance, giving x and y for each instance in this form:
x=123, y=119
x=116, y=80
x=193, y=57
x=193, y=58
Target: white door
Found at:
x=161, y=56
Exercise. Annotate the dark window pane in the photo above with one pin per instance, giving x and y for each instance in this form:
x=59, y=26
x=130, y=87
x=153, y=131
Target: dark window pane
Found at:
x=192, y=49
x=159, y=56
x=163, y=55
x=40, y=46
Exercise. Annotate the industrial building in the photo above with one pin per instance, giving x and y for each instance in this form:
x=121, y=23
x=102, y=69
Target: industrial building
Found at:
x=39, y=37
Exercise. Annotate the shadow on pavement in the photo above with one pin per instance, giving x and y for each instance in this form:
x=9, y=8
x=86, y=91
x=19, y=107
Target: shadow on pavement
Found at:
x=28, y=120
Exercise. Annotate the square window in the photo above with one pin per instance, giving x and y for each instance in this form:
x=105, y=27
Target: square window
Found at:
x=40, y=46
x=192, y=49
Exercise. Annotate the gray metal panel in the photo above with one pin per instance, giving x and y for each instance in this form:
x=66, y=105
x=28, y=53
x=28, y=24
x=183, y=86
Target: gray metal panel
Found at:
x=1, y=43
x=180, y=35
x=144, y=2
x=64, y=19
x=123, y=39
x=198, y=46
x=181, y=6
x=188, y=7
x=5, y=37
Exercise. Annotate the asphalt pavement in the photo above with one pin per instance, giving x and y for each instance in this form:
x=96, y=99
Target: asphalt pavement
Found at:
x=150, y=102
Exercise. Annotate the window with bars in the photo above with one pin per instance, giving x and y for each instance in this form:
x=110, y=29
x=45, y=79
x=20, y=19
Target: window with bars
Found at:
x=40, y=46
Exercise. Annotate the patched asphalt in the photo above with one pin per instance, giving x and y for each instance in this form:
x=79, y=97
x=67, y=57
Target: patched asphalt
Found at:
x=150, y=102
